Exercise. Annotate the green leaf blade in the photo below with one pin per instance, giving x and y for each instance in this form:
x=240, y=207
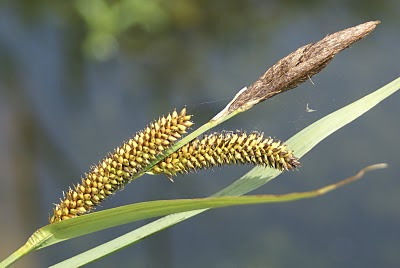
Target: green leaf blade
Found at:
x=302, y=143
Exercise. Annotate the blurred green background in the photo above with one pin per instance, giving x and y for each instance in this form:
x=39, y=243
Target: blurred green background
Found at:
x=79, y=77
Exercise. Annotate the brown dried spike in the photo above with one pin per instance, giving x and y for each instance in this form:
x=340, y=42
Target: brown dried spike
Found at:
x=227, y=148
x=115, y=170
x=296, y=68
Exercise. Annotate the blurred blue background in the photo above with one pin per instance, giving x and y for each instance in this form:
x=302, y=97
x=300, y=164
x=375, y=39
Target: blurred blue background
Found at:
x=79, y=77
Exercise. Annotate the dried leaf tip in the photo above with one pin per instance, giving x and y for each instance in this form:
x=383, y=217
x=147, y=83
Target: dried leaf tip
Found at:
x=295, y=68
x=228, y=148
x=116, y=170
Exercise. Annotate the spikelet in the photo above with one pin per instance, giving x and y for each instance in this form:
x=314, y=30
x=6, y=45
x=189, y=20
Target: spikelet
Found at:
x=114, y=171
x=228, y=148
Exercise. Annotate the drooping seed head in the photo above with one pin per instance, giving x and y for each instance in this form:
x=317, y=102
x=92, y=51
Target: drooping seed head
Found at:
x=227, y=148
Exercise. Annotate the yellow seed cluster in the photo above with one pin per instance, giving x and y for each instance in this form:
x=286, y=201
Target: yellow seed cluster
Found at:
x=118, y=167
x=228, y=148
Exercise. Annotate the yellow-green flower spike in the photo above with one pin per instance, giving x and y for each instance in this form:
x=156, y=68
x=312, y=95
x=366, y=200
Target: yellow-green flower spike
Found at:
x=227, y=148
x=118, y=167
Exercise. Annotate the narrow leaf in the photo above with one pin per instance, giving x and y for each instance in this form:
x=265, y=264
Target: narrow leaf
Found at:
x=302, y=143
x=219, y=202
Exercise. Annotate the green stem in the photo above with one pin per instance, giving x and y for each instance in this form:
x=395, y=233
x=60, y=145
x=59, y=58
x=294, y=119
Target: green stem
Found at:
x=22, y=251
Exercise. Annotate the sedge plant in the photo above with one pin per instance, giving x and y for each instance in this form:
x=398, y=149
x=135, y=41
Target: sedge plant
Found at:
x=161, y=149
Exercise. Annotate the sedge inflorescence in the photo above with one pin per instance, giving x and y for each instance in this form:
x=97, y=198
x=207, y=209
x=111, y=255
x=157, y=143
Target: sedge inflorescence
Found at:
x=227, y=148
x=114, y=171
x=217, y=149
